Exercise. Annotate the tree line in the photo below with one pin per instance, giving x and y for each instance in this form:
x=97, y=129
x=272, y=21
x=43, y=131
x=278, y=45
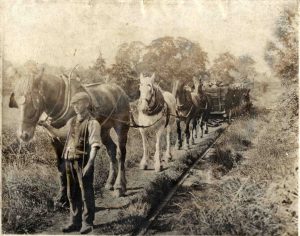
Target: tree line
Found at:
x=173, y=58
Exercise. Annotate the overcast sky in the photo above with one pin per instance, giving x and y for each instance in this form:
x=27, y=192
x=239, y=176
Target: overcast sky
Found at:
x=67, y=33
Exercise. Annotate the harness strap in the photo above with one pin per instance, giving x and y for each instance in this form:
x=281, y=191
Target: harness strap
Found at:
x=65, y=110
x=164, y=113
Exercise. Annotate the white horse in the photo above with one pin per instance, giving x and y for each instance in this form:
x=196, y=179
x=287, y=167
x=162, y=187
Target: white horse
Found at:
x=156, y=111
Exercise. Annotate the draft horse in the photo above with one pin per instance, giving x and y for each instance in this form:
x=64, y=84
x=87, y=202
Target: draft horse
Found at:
x=154, y=110
x=44, y=93
x=187, y=110
x=205, y=106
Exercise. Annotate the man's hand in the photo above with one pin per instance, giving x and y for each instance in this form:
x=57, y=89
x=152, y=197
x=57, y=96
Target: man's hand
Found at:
x=87, y=169
x=44, y=123
x=89, y=166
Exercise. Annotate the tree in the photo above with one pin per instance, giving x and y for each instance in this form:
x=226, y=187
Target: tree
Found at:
x=246, y=70
x=173, y=58
x=100, y=65
x=130, y=54
x=124, y=70
x=282, y=53
x=123, y=75
x=224, y=68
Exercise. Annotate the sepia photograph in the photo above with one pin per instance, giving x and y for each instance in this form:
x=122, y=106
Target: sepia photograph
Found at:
x=149, y=117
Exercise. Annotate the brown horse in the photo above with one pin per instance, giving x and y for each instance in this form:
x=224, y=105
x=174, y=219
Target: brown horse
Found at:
x=187, y=110
x=237, y=101
x=204, y=102
x=50, y=94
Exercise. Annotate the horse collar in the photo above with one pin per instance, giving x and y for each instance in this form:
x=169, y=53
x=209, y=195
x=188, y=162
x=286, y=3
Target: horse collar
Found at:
x=66, y=106
x=156, y=107
x=58, y=100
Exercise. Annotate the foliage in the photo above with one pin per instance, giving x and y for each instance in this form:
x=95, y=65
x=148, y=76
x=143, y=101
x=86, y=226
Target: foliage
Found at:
x=173, y=58
x=125, y=76
x=282, y=53
x=224, y=68
x=100, y=65
x=247, y=72
x=124, y=70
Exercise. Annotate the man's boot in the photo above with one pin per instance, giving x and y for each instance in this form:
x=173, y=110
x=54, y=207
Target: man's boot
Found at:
x=85, y=229
x=70, y=228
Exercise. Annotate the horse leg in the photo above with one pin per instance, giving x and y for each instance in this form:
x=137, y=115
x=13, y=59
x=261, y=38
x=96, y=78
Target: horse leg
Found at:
x=187, y=134
x=157, y=164
x=120, y=184
x=168, y=155
x=111, y=151
x=206, y=123
x=197, y=128
x=61, y=199
x=201, y=125
x=229, y=116
x=179, y=140
x=145, y=158
x=194, y=130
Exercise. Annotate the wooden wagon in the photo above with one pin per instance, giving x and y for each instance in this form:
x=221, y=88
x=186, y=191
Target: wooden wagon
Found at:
x=217, y=96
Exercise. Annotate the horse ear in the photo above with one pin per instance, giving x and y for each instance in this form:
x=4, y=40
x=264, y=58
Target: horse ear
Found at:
x=12, y=101
x=152, y=78
x=39, y=76
x=196, y=82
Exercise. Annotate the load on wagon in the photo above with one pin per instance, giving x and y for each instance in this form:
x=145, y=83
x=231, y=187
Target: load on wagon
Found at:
x=228, y=100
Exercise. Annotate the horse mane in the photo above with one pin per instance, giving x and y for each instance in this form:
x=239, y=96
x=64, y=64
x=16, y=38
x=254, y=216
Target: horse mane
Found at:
x=159, y=91
x=24, y=84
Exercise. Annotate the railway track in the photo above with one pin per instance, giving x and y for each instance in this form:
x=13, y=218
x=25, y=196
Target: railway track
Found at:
x=143, y=228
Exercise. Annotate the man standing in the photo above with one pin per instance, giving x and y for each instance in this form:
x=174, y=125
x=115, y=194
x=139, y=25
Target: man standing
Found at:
x=83, y=142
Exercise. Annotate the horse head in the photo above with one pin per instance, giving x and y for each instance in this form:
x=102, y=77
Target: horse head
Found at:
x=198, y=85
x=146, y=90
x=181, y=91
x=29, y=99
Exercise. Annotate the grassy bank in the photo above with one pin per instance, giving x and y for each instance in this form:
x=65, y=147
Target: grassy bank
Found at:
x=30, y=177
x=253, y=185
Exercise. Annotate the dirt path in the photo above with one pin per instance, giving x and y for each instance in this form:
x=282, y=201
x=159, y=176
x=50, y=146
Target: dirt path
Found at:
x=114, y=215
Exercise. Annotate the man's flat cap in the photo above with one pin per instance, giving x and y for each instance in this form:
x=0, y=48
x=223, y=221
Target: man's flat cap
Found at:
x=80, y=96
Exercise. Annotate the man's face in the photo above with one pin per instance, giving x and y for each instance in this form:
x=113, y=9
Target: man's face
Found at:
x=80, y=106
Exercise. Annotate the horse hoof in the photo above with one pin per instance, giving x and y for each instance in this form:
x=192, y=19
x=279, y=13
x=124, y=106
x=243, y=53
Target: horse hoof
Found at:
x=109, y=186
x=143, y=167
x=119, y=193
x=158, y=168
x=206, y=132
